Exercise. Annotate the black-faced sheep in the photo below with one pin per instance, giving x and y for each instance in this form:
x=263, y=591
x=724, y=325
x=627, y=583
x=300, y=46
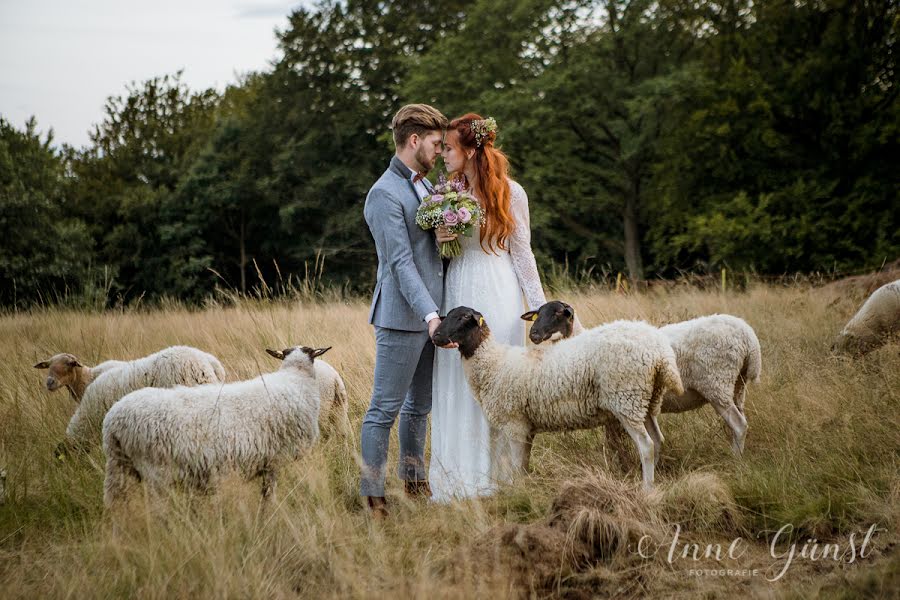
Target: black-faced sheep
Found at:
x=620, y=371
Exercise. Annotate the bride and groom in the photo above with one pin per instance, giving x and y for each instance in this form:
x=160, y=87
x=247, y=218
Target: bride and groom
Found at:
x=493, y=272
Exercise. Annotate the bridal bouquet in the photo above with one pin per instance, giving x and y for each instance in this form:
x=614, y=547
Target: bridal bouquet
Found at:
x=452, y=206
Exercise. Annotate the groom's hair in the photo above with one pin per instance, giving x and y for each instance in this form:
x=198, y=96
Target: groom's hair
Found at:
x=416, y=118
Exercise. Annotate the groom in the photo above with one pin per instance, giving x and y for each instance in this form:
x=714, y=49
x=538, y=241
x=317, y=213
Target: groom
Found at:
x=404, y=311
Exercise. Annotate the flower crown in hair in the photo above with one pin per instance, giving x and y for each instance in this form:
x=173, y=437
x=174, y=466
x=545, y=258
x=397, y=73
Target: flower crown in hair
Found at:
x=485, y=130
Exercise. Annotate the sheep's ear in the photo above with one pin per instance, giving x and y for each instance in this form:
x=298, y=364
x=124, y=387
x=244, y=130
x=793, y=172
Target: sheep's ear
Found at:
x=276, y=353
x=531, y=315
x=75, y=363
x=568, y=312
x=319, y=351
x=45, y=364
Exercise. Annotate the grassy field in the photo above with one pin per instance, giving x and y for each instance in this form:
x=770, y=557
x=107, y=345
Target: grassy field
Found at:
x=822, y=455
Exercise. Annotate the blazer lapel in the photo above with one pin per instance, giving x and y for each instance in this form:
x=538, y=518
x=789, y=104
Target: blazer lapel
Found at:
x=405, y=172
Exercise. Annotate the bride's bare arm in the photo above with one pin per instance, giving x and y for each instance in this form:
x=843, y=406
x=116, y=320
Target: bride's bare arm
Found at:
x=520, y=249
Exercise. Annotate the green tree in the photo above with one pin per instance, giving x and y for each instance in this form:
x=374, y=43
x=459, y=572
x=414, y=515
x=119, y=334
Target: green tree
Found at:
x=588, y=128
x=123, y=180
x=45, y=250
x=785, y=151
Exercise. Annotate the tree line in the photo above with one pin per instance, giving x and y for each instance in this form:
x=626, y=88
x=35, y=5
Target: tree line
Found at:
x=652, y=137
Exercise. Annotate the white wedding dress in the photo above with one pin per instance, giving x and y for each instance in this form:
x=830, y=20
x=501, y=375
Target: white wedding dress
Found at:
x=492, y=284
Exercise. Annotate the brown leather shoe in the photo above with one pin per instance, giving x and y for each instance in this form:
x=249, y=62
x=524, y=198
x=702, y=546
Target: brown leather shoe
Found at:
x=417, y=489
x=377, y=507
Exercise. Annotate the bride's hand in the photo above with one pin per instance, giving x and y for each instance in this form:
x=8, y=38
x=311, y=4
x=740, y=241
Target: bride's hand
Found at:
x=443, y=234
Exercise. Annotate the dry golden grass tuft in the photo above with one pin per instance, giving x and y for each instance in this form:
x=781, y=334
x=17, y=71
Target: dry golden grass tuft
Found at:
x=700, y=502
x=822, y=455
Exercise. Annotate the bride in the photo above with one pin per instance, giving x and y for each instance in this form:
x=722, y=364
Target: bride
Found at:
x=494, y=271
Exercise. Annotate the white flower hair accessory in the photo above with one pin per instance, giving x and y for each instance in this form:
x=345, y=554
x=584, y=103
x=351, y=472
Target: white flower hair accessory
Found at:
x=485, y=130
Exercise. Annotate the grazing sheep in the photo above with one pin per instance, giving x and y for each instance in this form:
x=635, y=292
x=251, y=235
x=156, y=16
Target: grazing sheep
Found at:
x=717, y=355
x=191, y=435
x=620, y=371
x=176, y=365
x=66, y=371
x=333, y=417
x=873, y=324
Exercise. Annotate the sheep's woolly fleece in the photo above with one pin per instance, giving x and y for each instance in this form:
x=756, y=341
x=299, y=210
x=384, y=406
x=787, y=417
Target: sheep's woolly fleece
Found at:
x=177, y=365
x=190, y=434
x=621, y=367
x=873, y=324
x=333, y=416
x=716, y=356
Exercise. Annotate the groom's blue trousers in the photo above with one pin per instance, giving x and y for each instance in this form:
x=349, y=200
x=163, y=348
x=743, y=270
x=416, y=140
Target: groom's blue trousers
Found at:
x=401, y=385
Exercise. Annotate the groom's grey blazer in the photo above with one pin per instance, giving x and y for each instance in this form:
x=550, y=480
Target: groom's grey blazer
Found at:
x=410, y=278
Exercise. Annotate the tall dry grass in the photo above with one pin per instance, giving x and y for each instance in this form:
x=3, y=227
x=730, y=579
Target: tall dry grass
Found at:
x=822, y=454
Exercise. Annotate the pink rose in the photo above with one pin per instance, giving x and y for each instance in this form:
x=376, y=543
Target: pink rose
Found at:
x=450, y=218
x=437, y=198
x=464, y=215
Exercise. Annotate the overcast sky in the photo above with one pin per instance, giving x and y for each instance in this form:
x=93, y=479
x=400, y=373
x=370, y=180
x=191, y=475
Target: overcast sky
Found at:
x=61, y=59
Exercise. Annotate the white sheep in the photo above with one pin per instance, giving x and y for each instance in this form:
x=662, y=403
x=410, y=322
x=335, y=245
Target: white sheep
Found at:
x=176, y=365
x=66, y=371
x=619, y=371
x=716, y=355
x=191, y=435
x=333, y=418
x=873, y=324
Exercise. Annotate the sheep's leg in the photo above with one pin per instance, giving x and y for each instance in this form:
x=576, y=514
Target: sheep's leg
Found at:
x=652, y=428
x=740, y=389
x=116, y=482
x=736, y=421
x=501, y=451
x=120, y=474
x=510, y=447
x=644, y=443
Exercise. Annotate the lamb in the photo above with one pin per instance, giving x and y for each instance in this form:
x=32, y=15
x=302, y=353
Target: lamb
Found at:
x=717, y=355
x=873, y=324
x=66, y=371
x=191, y=435
x=620, y=371
x=176, y=365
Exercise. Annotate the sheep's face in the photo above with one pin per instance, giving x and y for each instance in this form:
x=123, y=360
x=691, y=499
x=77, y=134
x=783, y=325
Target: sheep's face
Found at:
x=300, y=357
x=64, y=371
x=553, y=321
x=464, y=326
x=851, y=344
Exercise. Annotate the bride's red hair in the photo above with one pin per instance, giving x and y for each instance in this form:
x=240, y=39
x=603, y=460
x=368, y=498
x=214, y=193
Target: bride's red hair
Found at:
x=492, y=188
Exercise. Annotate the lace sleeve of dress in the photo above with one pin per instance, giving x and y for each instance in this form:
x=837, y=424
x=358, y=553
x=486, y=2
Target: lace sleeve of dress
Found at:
x=520, y=249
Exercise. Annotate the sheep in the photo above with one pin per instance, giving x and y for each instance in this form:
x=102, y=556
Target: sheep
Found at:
x=176, y=365
x=716, y=355
x=66, y=371
x=620, y=371
x=333, y=417
x=191, y=435
x=873, y=324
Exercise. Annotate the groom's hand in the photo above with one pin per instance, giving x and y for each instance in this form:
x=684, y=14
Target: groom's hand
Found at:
x=432, y=327
x=443, y=235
